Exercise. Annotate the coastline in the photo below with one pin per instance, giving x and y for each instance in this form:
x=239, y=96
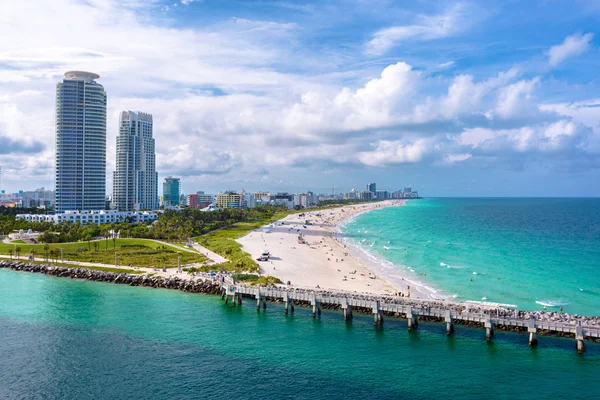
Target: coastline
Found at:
x=399, y=276
x=327, y=259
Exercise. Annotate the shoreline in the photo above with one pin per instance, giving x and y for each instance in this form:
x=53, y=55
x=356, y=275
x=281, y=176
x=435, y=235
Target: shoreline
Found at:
x=323, y=258
x=396, y=275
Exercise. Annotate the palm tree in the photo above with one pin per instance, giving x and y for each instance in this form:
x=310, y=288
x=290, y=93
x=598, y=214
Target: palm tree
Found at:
x=18, y=251
x=96, y=245
x=105, y=235
x=46, y=248
x=10, y=253
x=32, y=253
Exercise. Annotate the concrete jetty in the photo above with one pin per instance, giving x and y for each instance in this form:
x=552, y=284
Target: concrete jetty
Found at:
x=486, y=315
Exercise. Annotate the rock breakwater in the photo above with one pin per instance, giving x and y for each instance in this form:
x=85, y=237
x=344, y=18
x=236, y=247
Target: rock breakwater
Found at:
x=191, y=285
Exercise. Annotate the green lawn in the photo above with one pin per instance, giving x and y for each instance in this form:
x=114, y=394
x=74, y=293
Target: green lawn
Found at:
x=18, y=241
x=134, y=252
x=106, y=269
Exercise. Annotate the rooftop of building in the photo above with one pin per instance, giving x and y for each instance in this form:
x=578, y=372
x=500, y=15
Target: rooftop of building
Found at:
x=81, y=76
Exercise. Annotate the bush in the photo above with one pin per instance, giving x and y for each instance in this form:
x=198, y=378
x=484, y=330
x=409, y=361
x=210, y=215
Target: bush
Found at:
x=266, y=281
x=245, y=277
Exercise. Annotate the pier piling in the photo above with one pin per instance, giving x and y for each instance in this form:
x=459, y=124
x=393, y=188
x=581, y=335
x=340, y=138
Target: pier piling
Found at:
x=489, y=328
x=347, y=308
x=532, y=333
x=377, y=314
x=316, y=306
x=487, y=315
x=579, y=338
x=413, y=322
x=449, y=323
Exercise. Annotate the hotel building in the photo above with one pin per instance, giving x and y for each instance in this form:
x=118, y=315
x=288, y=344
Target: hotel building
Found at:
x=80, y=142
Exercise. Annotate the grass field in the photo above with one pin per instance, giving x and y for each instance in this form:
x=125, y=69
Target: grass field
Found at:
x=133, y=252
x=106, y=269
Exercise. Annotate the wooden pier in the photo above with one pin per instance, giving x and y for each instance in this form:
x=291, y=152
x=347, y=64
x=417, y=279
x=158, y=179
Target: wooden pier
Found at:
x=412, y=309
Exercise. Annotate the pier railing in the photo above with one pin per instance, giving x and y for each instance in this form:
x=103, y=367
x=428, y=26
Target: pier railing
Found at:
x=412, y=309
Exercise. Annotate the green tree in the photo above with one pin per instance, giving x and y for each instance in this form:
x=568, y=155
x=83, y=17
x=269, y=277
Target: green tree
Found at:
x=18, y=251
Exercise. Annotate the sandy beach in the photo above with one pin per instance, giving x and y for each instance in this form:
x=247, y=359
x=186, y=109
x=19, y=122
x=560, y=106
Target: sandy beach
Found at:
x=305, y=251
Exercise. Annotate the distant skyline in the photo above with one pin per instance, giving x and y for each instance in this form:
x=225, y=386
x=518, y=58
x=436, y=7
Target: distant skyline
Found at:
x=455, y=98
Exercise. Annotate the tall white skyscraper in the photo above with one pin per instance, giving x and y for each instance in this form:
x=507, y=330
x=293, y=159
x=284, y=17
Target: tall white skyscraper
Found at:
x=135, y=182
x=80, y=142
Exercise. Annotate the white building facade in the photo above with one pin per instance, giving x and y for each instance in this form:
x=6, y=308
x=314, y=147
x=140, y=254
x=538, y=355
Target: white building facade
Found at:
x=135, y=181
x=91, y=217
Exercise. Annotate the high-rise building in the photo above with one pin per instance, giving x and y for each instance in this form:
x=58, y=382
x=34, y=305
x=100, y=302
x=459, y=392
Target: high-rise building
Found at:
x=171, y=191
x=135, y=181
x=372, y=187
x=80, y=142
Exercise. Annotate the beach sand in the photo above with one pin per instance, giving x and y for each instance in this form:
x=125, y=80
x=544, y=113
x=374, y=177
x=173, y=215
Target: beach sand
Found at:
x=323, y=261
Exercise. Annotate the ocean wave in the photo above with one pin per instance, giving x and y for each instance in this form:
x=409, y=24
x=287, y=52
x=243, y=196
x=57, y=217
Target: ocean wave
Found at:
x=443, y=264
x=551, y=303
x=392, y=271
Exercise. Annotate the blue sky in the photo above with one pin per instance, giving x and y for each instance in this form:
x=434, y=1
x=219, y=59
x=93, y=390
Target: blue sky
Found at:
x=454, y=98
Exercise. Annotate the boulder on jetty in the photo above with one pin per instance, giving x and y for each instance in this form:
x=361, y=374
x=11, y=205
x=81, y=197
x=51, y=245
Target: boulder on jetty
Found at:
x=187, y=285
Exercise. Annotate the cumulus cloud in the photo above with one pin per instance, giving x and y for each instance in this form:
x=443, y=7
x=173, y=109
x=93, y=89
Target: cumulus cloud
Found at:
x=516, y=98
x=560, y=136
x=572, y=46
x=236, y=102
x=398, y=152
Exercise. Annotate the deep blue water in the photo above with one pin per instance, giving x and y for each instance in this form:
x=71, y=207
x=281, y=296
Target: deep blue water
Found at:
x=69, y=339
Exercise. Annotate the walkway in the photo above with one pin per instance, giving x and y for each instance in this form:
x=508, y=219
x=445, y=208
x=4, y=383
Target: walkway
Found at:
x=214, y=257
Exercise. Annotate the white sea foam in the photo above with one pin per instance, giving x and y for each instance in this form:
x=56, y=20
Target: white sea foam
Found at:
x=551, y=303
x=442, y=264
x=483, y=298
x=474, y=273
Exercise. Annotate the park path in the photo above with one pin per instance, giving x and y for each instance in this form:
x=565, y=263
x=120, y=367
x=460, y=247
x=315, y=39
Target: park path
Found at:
x=217, y=259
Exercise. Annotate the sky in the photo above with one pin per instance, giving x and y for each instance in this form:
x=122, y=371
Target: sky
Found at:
x=469, y=98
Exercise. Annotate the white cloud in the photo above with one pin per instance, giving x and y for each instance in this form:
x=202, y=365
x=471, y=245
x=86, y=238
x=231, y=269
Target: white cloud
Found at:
x=454, y=158
x=397, y=152
x=426, y=27
x=375, y=104
x=445, y=65
x=516, y=98
x=572, y=46
x=560, y=136
x=262, y=117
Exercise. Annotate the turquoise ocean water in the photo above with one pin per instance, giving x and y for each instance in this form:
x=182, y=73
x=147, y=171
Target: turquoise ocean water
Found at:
x=69, y=339
x=528, y=252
